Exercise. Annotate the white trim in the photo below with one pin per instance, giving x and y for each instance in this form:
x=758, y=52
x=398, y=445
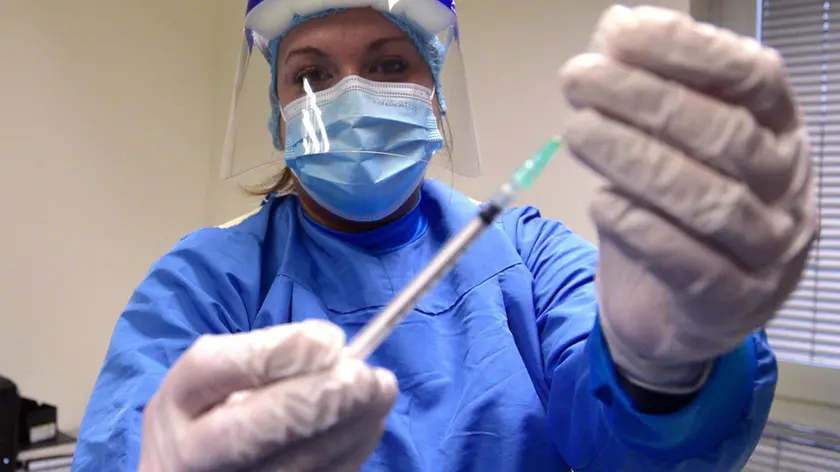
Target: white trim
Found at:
x=272, y=18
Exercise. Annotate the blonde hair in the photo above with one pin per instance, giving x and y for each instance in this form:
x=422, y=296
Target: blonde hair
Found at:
x=283, y=183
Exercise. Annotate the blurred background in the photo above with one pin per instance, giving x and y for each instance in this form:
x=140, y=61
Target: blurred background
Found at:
x=112, y=119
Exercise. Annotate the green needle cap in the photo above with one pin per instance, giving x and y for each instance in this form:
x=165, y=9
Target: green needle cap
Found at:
x=525, y=176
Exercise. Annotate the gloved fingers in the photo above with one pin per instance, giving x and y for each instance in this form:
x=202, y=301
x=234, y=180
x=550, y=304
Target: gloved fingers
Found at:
x=720, y=211
x=717, y=62
x=343, y=448
x=637, y=317
x=249, y=428
x=703, y=282
x=217, y=366
x=722, y=136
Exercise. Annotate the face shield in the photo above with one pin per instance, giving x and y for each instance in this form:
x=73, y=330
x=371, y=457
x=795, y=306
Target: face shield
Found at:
x=432, y=27
x=356, y=93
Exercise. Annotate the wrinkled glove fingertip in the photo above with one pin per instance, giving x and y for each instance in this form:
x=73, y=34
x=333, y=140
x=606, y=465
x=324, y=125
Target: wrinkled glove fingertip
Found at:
x=612, y=19
x=387, y=381
x=324, y=333
x=577, y=70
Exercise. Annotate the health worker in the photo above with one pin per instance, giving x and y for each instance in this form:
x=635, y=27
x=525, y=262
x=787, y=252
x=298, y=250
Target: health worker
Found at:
x=538, y=351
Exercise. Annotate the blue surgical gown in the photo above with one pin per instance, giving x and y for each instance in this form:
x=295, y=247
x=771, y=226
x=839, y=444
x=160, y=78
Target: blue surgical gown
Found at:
x=501, y=367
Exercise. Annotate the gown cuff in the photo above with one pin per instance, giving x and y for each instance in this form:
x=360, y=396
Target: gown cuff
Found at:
x=704, y=420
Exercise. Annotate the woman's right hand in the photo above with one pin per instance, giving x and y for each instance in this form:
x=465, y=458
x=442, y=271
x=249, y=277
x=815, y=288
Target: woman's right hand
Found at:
x=278, y=399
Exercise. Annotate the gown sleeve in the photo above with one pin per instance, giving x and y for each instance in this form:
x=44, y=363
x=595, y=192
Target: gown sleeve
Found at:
x=195, y=289
x=593, y=422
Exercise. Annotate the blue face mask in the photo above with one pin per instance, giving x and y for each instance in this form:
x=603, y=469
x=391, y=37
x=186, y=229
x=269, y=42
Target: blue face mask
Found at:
x=361, y=148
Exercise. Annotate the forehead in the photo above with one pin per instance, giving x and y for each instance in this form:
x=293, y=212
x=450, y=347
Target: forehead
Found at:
x=354, y=26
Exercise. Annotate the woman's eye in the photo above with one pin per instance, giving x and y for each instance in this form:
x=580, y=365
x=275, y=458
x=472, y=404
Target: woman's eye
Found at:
x=313, y=75
x=390, y=66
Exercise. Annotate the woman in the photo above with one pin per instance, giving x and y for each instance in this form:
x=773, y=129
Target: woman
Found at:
x=517, y=360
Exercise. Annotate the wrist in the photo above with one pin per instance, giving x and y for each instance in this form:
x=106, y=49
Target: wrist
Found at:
x=649, y=402
x=665, y=376
x=671, y=379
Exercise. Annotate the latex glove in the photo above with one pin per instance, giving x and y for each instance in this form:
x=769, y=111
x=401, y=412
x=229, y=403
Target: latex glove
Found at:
x=278, y=399
x=708, y=215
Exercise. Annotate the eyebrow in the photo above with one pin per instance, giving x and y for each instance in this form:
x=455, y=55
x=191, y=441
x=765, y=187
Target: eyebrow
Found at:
x=378, y=44
x=305, y=51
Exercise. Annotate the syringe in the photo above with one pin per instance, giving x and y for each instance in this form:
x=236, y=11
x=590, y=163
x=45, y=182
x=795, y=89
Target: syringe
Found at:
x=372, y=335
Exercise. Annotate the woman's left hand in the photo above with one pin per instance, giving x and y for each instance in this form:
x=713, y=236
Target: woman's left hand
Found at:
x=708, y=215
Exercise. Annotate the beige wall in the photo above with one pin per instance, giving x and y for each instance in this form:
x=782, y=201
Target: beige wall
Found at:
x=111, y=125
x=106, y=114
x=737, y=15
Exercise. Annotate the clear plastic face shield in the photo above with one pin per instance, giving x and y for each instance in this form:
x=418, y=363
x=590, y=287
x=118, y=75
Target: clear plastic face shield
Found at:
x=352, y=91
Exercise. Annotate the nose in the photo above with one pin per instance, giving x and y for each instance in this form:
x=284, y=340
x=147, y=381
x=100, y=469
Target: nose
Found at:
x=350, y=69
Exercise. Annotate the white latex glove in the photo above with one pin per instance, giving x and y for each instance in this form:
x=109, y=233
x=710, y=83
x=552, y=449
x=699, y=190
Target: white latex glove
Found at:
x=709, y=214
x=277, y=399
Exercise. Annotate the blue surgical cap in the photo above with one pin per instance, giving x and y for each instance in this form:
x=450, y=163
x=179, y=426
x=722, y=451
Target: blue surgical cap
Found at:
x=430, y=47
